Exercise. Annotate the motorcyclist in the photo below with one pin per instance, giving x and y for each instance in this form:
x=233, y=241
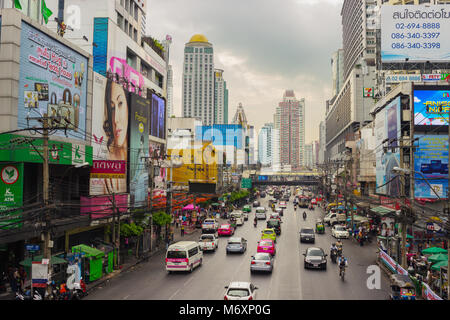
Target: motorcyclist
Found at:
x=339, y=246
x=333, y=252
x=333, y=247
x=343, y=263
x=255, y=222
x=304, y=215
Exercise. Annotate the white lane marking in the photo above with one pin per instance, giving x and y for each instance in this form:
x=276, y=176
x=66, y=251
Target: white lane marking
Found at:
x=189, y=280
x=126, y=297
x=175, y=293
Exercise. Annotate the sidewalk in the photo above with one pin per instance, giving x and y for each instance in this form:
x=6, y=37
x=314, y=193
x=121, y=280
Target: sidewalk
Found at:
x=130, y=262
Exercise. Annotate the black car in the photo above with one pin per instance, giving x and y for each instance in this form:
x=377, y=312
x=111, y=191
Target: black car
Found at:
x=275, y=224
x=315, y=258
x=307, y=235
x=256, y=204
x=262, y=194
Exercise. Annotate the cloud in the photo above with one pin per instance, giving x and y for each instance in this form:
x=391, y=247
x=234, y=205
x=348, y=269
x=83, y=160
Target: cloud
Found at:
x=264, y=47
x=417, y=100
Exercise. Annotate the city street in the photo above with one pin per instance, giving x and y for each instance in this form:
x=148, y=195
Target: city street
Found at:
x=289, y=280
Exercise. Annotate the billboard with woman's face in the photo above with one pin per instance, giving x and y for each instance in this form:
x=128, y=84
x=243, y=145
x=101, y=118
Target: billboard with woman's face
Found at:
x=138, y=152
x=110, y=118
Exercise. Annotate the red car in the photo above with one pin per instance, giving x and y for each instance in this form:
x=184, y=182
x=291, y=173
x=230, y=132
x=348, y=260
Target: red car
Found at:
x=225, y=230
x=266, y=245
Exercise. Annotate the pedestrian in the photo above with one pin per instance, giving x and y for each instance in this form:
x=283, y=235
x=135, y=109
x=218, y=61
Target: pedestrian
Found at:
x=171, y=234
x=23, y=276
x=18, y=281
x=12, y=281
x=182, y=230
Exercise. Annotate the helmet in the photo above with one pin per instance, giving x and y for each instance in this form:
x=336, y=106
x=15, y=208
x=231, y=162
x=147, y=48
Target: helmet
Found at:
x=333, y=244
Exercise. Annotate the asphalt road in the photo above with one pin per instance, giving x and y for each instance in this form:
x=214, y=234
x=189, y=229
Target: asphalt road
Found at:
x=289, y=280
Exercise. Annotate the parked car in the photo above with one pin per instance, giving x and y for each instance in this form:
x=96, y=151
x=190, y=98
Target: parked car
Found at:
x=307, y=235
x=237, y=244
x=256, y=204
x=208, y=242
x=339, y=232
x=247, y=208
x=315, y=257
x=240, y=291
x=266, y=245
x=225, y=230
x=262, y=261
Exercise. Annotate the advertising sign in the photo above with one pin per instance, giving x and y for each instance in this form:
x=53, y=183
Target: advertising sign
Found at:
x=39, y=274
x=431, y=160
x=396, y=78
x=246, y=183
x=138, y=156
x=156, y=150
x=417, y=33
x=158, y=117
x=102, y=206
x=431, y=106
x=110, y=133
x=368, y=92
x=52, y=80
x=109, y=169
x=387, y=126
x=11, y=195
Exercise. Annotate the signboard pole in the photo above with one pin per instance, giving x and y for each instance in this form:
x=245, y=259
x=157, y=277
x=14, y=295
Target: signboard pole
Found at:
x=45, y=171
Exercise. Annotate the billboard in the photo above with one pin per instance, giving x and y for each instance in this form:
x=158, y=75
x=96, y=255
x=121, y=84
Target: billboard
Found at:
x=110, y=133
x=101, y=206
x=138, y=155
x=417, y=33
x=431, y=161
x=11, y=195
x=156, y=150
x=387, y=126
x=52, y=80
x=221, y=134
x=431, y=105
x=158, y=117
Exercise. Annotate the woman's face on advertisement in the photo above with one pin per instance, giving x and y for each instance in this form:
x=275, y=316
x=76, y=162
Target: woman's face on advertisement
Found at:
x=119, y=111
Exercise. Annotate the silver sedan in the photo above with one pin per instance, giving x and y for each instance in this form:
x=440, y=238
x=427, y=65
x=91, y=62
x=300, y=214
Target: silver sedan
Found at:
x=262, y=262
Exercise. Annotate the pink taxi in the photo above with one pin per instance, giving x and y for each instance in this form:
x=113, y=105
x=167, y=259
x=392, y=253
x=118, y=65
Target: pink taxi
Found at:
x=225, y=230
x=266, y=245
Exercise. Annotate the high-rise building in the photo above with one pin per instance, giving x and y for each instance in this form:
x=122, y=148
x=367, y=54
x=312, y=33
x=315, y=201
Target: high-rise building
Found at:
x=220, y=100
x=322, y=142
x=358, y=33
x=290, y=121
x=337, y=70
x=309, y=159
x=265, y=138
x=198, y=79
x=170, y=110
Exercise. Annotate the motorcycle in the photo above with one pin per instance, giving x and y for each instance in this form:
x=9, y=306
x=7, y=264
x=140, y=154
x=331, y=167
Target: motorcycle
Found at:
x=342, y=273
x=333, y=255
x=304, y=215
x=255, y=223
x=27, y=295
x=339, y=251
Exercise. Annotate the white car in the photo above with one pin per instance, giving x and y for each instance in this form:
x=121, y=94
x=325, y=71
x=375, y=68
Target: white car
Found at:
x=339, y=232
x=327, y=218
x=260, y=213
x=208, y=242
x=283, y=204
x=240, y=291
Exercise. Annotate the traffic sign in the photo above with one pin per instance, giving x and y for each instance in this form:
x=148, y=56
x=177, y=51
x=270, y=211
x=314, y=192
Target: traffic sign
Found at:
x=32, y=247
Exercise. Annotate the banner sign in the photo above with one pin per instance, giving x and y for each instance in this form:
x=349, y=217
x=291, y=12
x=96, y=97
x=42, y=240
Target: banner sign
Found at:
x=428, y=294
x=431, y=161
x=432, y=77
x=391, y=263
x=396, y=78
x=431, y=106
x=101, y=206
x=11, y=195
x=39, y=274
x=52, y=80
x=104, y=169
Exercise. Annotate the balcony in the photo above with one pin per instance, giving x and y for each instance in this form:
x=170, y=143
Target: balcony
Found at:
x=155, y=45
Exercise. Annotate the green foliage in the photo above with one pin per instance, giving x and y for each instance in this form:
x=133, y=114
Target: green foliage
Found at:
x=160, y=218
x=239, y=195
x=130, y=230
x=158, y=45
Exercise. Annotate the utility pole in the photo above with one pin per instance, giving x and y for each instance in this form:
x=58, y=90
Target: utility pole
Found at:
x=447, y=225
x=47, y=252
x=114, y=229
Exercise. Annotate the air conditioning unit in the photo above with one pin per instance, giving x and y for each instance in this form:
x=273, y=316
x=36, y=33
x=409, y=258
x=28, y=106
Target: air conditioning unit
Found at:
x=406, y=115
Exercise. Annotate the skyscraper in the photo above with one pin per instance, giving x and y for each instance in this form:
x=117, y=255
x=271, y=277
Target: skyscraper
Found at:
x=290, y=122
x=337, y=70
x=265, y=138
x=220, y=98
x=198, y=80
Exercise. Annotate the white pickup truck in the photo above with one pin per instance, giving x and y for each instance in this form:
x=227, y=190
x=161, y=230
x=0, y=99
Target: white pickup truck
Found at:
x=208, y=242
x=210, y=226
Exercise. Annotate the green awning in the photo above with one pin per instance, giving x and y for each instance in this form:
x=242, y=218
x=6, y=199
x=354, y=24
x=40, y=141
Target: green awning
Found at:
x=434, y=250
x=53, y=260
x=438, y=265
x=360, y=218
x=382, y=210
x=89, y=251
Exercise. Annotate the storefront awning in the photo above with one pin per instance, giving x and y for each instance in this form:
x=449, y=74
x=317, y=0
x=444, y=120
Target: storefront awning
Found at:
x=363, y=205
x=382, y=210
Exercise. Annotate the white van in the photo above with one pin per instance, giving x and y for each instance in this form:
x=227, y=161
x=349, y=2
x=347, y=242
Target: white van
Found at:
x=239, y=216
x=260, y=213
x=183, y=256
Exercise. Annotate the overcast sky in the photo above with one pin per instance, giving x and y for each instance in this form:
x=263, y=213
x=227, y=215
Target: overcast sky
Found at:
x=263, y=46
